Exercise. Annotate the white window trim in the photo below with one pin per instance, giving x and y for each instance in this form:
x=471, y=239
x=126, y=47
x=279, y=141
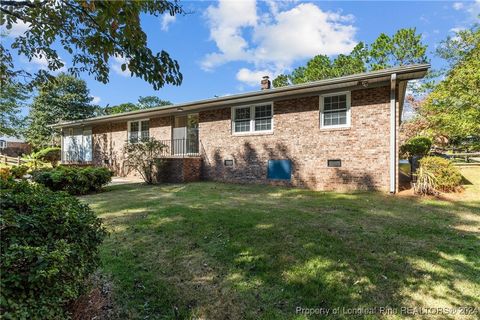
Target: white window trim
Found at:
x=139, y=128
x=336, y=126
x=252, y=120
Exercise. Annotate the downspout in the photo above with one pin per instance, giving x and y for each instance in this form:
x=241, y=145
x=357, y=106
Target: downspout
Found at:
x=393, y=134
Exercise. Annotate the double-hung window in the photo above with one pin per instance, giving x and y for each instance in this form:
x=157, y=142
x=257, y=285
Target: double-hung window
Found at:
x=138, y=131
x=257, y=118
x=335, y=110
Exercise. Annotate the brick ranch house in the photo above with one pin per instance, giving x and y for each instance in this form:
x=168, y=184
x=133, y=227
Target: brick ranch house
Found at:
x=335, y=134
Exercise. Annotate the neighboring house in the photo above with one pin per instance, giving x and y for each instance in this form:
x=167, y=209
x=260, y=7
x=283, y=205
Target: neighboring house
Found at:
x=14, y=147
x=335, y=134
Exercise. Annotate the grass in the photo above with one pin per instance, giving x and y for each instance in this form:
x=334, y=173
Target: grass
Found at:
x=221, y=251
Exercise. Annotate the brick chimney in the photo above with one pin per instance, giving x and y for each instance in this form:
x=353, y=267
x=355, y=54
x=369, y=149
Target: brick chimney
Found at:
x=265, y=83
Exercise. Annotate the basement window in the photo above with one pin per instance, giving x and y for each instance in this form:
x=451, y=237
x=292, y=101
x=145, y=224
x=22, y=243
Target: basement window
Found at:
x=228, y=163
x=336, y=163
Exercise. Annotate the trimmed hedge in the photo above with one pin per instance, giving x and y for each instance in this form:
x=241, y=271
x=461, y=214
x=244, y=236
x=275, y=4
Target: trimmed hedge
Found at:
x=49, y=247
x=74, y=180
x=417, y=146
x=446, y=176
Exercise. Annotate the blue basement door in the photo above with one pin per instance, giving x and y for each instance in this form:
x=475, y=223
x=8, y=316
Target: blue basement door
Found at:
x=279, y=169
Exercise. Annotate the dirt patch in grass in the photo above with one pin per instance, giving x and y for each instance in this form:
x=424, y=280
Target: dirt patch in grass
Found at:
x=97, y=303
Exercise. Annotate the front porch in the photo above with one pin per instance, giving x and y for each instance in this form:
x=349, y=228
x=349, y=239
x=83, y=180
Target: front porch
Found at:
x=181, y=148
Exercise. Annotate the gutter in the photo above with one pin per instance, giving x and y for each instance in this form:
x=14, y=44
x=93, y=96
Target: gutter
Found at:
x=403, y=73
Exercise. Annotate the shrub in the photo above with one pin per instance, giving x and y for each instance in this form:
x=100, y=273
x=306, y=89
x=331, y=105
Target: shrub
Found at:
x=425, y=182
x=447, y=176
x=414, y=149
x=417, y=146
x=49, y=247
x=5, y=174
x=74, y=180
x=33, y=163
x=143, y=157
x=51, y=155
x=19, y=171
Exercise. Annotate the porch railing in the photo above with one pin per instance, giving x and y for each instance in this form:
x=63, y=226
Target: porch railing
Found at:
x=181, y=148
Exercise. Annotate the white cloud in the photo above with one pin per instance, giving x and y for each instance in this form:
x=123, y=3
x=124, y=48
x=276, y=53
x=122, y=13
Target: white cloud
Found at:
x=472, y=8
x=167, y=19
x=40, y=62
x=117, y=66
x=277, y=38
x=457, y=5
x=226, y=21
x=96, y=99
x=457, y=29
x=18, y=29
x=251, y=77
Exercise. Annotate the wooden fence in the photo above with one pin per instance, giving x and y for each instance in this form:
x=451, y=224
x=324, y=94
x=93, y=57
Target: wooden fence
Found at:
x=11, y=160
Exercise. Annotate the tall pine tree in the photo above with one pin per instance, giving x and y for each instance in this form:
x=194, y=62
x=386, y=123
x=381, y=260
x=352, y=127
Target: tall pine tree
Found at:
x=66, y=98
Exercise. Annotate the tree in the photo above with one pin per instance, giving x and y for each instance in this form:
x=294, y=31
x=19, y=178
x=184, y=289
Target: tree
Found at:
x=121, y=108
x=405, y=47
x=280, y=81
x=143, y=157
x=452, y=109
x=152, y=102
x=66, y=98
x=143, y=103
x=93, y=32
x=13, y=96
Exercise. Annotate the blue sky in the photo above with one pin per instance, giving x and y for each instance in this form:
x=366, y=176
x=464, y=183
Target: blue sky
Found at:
x=224, y=47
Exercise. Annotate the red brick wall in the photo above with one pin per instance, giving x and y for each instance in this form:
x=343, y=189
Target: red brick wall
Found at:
x=363, y=148
x=179, y=170
x=109, y=140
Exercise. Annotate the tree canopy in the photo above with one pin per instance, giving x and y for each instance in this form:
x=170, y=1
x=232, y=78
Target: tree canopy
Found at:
x=452, y=109
x=13, y=96
x=404, y=47
x=143, y=103
x=92, y=32
x=65, y=98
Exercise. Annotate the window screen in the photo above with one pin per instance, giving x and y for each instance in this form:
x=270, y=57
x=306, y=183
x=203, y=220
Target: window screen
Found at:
x=263, y=118
x=253, y=118
x=145, y=134
x=138, y=130
x=335, y=110
x=242, y=119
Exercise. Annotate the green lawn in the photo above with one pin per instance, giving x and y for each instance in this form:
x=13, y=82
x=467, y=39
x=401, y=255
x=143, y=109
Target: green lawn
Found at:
x=221, y=251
